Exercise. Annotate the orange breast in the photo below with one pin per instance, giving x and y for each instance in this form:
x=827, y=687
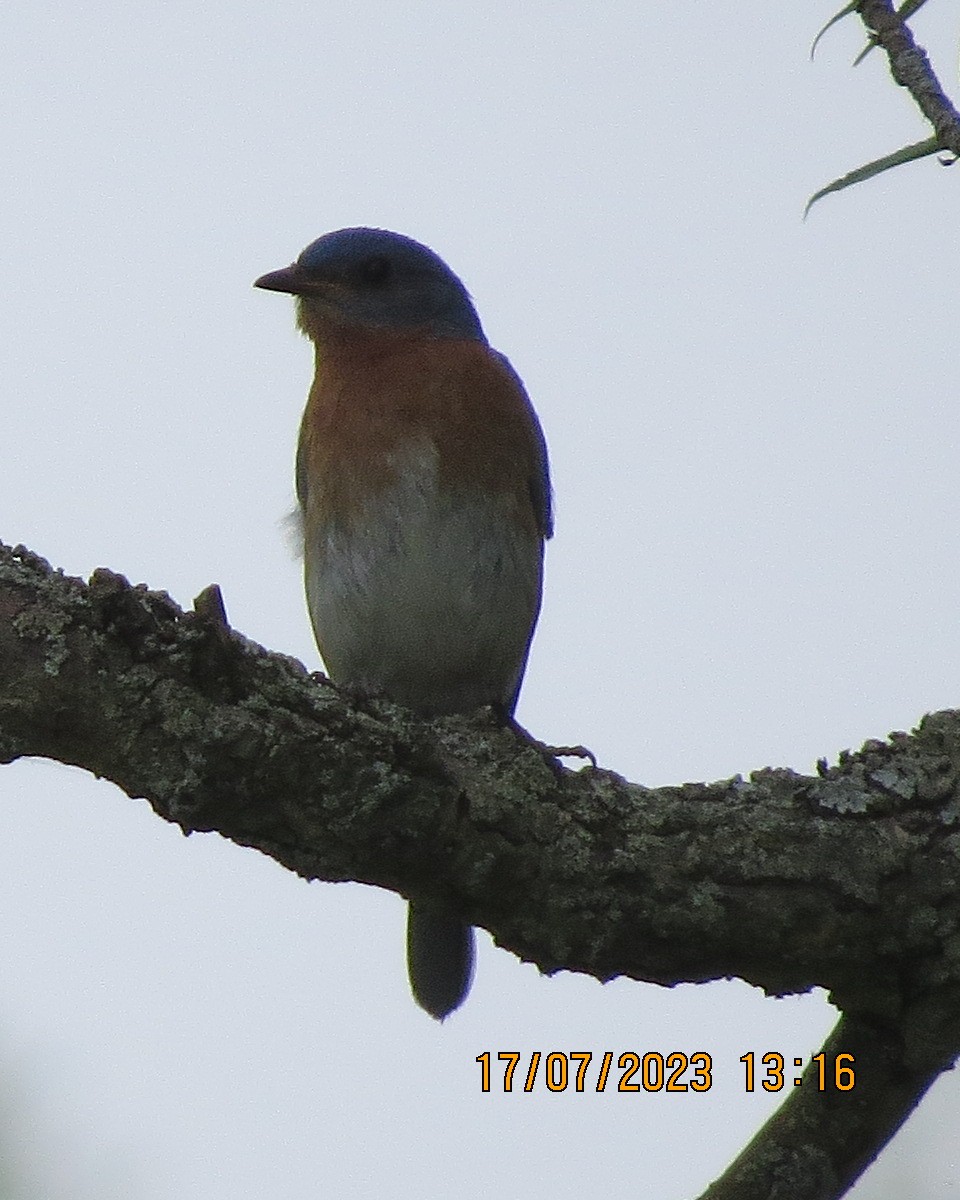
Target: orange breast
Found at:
x=375, y=396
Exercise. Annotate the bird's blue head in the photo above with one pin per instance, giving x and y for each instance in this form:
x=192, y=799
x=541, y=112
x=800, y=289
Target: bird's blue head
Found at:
x=379, y=279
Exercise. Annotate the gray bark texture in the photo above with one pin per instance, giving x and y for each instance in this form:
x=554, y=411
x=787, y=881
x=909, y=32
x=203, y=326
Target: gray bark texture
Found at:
x=849, y=880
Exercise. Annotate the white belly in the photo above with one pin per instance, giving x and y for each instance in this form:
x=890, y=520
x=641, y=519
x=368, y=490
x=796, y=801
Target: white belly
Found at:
x=424, y=600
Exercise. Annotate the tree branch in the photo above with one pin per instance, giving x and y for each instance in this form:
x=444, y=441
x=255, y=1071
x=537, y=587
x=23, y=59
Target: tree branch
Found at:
x=822, y=1139
x=910, y=67
x=848, y=881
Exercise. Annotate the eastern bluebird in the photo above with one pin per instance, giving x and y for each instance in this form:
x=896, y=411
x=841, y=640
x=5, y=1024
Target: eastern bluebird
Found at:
x=424, y=492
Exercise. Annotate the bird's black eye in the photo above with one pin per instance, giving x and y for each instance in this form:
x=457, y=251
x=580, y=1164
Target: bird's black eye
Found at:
x=376, y=270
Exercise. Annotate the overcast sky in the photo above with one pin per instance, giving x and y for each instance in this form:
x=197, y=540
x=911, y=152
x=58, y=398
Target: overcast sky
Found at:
x=754, y=435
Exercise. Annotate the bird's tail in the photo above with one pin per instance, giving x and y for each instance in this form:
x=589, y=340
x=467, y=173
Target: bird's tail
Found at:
x=439, y=957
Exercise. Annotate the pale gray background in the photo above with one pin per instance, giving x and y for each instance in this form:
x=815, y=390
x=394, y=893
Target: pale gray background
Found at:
x=754, y=431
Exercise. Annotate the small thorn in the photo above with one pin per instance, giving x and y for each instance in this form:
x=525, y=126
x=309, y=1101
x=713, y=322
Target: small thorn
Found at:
x=209, y=605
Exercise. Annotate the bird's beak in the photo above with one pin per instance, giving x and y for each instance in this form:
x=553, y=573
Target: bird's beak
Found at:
x=293, y=279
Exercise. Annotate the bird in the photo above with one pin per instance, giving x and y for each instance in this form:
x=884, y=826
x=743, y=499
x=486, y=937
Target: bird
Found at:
x=424, y=498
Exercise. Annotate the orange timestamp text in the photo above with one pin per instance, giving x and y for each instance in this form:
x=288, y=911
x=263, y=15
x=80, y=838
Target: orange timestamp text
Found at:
x=582, y=1070
x=652, y=1071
